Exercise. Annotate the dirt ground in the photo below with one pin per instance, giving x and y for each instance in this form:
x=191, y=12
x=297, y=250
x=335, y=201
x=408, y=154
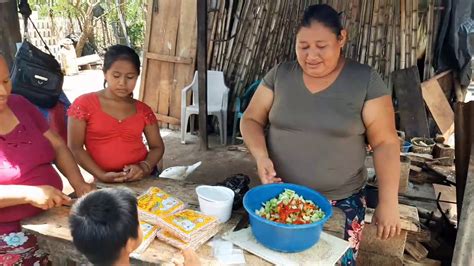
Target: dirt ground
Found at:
x=217, y=163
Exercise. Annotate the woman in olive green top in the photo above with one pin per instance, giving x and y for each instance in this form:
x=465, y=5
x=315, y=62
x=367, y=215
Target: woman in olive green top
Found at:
x=319, y=110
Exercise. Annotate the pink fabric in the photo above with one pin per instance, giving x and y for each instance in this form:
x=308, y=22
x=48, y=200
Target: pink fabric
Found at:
x=110, y=142
x=26, y=158
x=57, y=120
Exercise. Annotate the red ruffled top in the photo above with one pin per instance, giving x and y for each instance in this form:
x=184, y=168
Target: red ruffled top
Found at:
x=112, y=143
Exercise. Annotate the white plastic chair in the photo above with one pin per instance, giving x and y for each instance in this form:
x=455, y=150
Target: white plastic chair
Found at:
x=217, y=101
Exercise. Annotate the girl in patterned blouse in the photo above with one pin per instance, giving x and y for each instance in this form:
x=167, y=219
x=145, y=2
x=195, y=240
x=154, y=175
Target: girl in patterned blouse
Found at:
x=105, y=128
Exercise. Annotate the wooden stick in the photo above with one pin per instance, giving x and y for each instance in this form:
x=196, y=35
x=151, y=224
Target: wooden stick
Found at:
x=373, y=32
x=402, y=35
x=414, y=26
x=429, y=21
x=389, y=57
x=363, y=57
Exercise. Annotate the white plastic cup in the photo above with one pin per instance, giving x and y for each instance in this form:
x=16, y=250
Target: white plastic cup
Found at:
x=216, y=201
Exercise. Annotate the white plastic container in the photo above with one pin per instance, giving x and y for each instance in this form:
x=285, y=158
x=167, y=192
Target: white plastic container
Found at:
x=216, y=201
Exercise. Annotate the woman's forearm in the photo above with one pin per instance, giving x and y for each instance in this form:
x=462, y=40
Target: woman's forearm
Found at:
x=66, y=164
x=12, y=195
x=387, y=167
x=254, y=137
x=154, y=156
x=84, y=159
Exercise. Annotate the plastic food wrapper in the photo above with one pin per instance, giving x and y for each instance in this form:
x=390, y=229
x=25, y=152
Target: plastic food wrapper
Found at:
x=225, y=252
x=149, y=233
x=188, y=225
x=198, y=241
x=179, y=172
x=155, y=204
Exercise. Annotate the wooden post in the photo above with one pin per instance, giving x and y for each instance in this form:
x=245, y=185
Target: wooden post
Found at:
x=202, y=70
x=10, y=29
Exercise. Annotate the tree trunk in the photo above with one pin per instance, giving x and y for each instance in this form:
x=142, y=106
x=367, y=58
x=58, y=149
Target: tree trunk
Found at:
x=122, y=21
x=87, y=29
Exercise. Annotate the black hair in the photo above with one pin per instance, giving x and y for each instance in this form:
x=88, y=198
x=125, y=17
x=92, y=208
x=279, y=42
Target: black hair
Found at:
x=323, y=14
x=102, y=222
x=120, y=52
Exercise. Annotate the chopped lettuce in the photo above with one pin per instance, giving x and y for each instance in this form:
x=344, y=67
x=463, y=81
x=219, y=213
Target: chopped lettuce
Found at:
x=290, y=208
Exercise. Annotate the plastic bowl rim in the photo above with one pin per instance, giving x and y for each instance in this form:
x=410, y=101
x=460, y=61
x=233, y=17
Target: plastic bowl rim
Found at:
x=292, y=226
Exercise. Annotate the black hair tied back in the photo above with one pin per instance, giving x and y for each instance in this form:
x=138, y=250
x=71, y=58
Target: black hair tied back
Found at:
x=323, y=14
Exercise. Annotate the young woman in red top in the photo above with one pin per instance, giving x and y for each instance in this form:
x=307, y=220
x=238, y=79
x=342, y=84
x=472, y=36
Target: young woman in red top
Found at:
x=105, y=128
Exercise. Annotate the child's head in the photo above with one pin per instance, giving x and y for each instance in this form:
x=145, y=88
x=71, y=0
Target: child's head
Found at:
x=104, y=224
x=121, y=69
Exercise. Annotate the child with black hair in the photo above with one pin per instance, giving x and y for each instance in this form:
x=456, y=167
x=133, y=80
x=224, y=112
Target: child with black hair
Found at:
x=105, y=128
x=105, y=227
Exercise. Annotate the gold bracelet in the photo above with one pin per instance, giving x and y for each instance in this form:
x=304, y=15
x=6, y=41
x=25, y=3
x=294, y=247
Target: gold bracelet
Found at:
x=147, y=165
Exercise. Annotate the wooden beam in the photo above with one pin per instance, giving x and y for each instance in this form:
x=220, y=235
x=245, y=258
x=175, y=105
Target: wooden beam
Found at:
x=409, y=218
x=167, y=119
x=149, y=15
x=408, y=260
x=202, y=71
x=413, y=119
x=169, y=58
x=439, y=106
x=416, y=250
x=10, y=30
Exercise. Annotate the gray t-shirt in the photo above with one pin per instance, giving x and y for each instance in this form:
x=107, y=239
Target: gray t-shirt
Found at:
x=318, y=140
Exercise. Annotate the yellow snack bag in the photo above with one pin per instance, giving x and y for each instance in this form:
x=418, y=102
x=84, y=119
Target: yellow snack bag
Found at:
x=155, y=204
x=149, y=232
x=187, y=224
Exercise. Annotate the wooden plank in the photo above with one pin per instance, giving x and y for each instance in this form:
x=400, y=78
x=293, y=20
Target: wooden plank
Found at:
x=413, y=119
x=409, y=218
x=372, y=259
x=449, y=172
x=52, y=228
x=424, y=235
x=170, y=59
x=159, y=76
x=168, y=119
x=186, y=47
x=393, y=247
x=408, y=260
x=445, y=80
x=149, y=15
x=439, y=106
x=448, y=193
x=170, y=27
x=417, y=250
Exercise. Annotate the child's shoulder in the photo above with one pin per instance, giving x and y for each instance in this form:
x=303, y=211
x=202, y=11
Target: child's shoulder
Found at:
x=86, y=98
x=143, y=107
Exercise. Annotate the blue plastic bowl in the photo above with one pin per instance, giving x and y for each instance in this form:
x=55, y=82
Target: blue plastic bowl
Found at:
x=406, y=146
x=284, y=237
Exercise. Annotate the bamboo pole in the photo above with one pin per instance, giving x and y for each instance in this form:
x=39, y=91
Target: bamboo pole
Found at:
x=373, y=33
x=429, y=21
x=363, y=53
x=402, y=35
x=389, y=57
x=408, y=14
x=379, y=37
x=414, y=26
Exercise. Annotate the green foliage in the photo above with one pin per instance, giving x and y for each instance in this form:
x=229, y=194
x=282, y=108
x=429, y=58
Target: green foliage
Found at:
x=134, y=12
x=135, y=18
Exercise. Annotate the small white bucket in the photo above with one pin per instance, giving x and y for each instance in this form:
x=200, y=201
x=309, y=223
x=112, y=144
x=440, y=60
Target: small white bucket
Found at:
x=216, y=201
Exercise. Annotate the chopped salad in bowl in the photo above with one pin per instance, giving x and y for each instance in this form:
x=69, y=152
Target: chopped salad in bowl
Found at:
x=290, y=208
